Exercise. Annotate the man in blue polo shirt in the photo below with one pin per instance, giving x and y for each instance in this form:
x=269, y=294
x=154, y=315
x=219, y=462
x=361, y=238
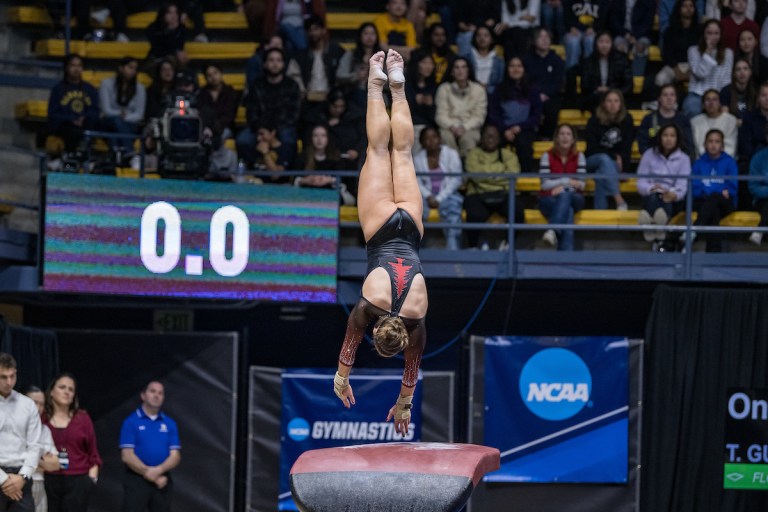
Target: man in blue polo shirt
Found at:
x=149, y=442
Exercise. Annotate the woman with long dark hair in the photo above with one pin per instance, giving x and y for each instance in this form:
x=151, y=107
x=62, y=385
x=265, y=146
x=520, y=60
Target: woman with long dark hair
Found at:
x=740, y=95
x=683, y=32
x=167, y=36
x=607, y=68
x=420, y=89
x=711, y=65
x=69, y=489
x=122, y=100
x=321, y=154
x=515, y=109
x=163, y=81
x=482, y=56
x=353, y=73
x=439, y=48
x=748, y=48
x=663, y=195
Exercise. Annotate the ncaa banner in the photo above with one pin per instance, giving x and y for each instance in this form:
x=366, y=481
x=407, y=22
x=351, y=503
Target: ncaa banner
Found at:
x=313, y=417
x=557, y=408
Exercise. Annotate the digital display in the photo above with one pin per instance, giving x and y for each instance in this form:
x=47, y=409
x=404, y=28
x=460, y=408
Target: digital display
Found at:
x=746, y=440
x=194, y=239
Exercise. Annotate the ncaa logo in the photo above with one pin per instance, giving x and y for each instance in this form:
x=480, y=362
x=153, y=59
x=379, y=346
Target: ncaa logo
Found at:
x=298, y=429
x=555, y=384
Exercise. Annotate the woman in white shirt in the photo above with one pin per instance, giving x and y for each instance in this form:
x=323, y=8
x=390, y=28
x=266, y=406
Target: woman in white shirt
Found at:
x=437, y=169
x=711, y=65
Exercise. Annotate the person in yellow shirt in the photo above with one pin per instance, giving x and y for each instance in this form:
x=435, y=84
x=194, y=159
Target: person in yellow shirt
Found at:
x=395, y=31
x=486, y=196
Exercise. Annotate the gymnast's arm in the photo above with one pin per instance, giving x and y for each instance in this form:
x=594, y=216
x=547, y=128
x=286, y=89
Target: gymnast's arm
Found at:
x=401, y=411
x=357, y=323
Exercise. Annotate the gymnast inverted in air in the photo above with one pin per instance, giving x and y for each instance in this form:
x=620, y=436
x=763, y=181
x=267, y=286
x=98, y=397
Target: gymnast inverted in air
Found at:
x=394, y=293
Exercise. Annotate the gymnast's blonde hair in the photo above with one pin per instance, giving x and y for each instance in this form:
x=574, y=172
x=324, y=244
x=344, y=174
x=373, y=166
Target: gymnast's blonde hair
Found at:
x=390, y=337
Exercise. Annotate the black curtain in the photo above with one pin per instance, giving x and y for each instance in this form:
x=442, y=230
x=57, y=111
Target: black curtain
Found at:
x=700, y=343
x=36, y=352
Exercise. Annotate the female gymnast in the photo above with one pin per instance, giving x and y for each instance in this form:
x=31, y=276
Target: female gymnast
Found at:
x=390, y=207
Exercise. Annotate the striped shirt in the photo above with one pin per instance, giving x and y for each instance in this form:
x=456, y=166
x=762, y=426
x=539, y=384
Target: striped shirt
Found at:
x=706, y=73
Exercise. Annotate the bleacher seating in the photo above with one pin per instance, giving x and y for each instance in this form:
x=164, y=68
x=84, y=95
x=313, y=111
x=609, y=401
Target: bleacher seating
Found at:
x=30, y=15
x=36, y=110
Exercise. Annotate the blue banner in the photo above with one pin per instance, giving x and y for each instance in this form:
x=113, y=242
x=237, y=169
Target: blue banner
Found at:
x=313, y=417
x=557, y=408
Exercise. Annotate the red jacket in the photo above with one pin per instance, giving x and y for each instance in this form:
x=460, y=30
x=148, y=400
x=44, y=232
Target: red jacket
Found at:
x=79, y=439
x=551, y=163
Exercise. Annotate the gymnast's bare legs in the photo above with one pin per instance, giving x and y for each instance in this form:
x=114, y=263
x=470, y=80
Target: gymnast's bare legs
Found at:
x=388, y=179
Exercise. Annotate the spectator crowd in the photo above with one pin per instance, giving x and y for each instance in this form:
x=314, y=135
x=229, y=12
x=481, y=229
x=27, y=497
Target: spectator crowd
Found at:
x=484, y=84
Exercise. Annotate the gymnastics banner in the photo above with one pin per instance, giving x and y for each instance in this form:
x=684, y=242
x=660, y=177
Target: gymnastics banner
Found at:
x=178, y=238
x=557, y=408
x=313, y=417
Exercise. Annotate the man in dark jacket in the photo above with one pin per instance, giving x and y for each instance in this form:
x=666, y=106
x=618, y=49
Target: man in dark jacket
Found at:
x=73, y=105
x=318, y=65
x=275, y=97
x=546, y=73
x=217, y=102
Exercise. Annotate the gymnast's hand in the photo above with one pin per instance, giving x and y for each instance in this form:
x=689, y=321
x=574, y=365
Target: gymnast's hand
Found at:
x=343, y=390
x=401, y=412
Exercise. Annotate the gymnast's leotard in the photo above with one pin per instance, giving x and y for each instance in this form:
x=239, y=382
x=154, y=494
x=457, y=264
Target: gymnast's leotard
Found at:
x=395, y=248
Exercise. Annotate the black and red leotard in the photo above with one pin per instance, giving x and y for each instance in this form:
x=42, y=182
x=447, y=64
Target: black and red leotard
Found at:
x=395, y=248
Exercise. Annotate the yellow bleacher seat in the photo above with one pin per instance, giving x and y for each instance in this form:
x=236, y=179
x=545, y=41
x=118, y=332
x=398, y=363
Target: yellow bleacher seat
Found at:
x=5, y=209
x=130, y=172
x=575, y=117
x=139, y=49
x=607, y=217
x=637, y=84
x=30, y=15
x=638, y=115
x=741, y=219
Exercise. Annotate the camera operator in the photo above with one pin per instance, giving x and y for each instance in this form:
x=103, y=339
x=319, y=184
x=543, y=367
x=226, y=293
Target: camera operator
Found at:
x=198, y=157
